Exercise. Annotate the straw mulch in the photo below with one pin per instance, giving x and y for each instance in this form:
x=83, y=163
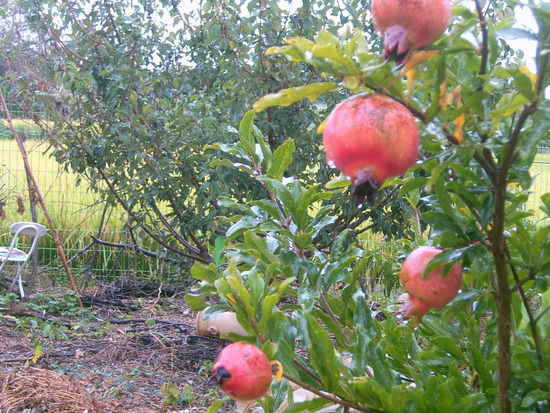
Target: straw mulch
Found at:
x=37, y=390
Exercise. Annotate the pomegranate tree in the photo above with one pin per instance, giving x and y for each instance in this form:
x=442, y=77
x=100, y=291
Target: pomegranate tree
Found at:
x=370, y=137
x=242, y=371
x=409, y=25
x=430, y=291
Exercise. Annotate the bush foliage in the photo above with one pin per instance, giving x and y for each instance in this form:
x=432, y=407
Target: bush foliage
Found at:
x=150, y=115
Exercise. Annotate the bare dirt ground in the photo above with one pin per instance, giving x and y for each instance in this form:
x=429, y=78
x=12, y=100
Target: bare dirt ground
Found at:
x=121, y=355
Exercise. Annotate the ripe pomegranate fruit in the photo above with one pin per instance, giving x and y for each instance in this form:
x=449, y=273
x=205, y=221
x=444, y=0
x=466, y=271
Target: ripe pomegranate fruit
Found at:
x=432, y=291
x=370, y=137
x=409, y=25
x=242, y=371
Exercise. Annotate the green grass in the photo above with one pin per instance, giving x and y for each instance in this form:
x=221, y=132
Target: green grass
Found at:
x=70, y=204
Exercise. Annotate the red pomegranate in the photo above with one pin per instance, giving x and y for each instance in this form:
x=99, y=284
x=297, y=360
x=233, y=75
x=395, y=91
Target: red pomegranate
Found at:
x=432, y=291
x=370, y=137
x=409, y=25
x=242, y=371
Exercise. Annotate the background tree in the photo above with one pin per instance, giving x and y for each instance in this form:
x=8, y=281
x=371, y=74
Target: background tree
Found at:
x=142, y=88
x=150, y=119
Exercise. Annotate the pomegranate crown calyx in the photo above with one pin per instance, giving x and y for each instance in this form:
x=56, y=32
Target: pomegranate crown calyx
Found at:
x=218, y=376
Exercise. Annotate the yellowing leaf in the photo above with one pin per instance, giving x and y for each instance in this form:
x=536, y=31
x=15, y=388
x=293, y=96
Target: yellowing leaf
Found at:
x=278, y=50
x=322, y=126
x=286, y=97
x=302, y=43
x=277, y=369
x=417, y=58
x=459, y=123
x=532, y=76
x=511, y=187
x=351, y=82
x=445, y=98
x=38, y=348
x=231, y=298
x=457, y=95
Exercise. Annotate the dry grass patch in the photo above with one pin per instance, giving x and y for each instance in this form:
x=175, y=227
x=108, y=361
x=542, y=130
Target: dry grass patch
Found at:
x=45, y=391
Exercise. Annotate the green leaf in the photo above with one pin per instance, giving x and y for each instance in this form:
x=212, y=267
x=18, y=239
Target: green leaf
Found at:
x=268, y=304
x=444, y=221
x=264, y=147
x=508, y=105
x=215, y=406
x=322, y=356
x=369, y=391
x=412, y=184
x=197, y=301
x=332, y=53
x=269, y=207
x=449, y=345
x=443, y=196
x=258, y=243
x=286, y=97
x=303, y=203
x=341, y=181
x=535, y=396
x=363, y=314
x=246, y=124
x=447, y=258
x=523, y=84
x=282, y=158
x=242, y=225
x=256, y=286
x=281, y=192
x=544, y=322
x=218, y=247
x=382, y=371
x=546, y=203
x=208, y=273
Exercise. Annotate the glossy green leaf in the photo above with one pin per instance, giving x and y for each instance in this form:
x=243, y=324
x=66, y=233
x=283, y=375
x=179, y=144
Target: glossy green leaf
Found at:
x=208, y=273
x=215, y=406
x=322, y=357
x=282, y=158
x=246, y=124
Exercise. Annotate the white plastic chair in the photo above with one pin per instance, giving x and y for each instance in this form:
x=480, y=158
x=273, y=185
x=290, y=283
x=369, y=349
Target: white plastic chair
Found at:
x=20, y=254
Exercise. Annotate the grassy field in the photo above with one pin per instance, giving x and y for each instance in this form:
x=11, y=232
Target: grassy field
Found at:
x=70, y=204
x=541, y=171
x=74, y=209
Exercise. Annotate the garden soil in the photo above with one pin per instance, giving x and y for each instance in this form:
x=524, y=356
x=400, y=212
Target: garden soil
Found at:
x=140, y=357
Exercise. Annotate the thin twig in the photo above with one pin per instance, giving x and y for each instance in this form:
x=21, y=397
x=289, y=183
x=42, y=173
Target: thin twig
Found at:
x=330, y=397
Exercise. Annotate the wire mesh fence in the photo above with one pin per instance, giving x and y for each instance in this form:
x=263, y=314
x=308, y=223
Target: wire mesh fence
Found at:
x=79, y=214
x=540, y=171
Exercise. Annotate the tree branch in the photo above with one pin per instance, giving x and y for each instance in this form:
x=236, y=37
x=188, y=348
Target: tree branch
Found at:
x=330, y=397
x=484, y=39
